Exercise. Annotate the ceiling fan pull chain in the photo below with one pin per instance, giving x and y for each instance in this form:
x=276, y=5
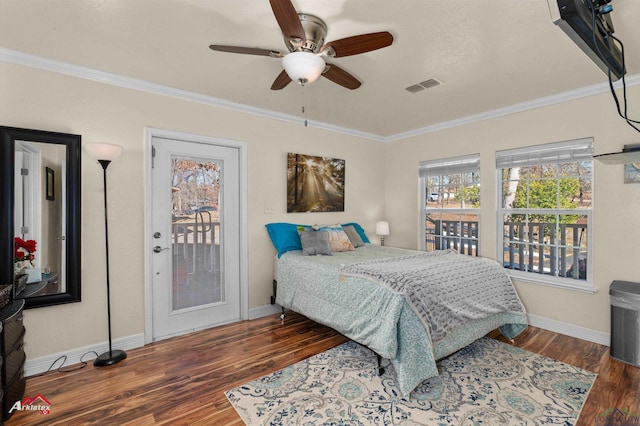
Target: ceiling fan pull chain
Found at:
x=304, y=101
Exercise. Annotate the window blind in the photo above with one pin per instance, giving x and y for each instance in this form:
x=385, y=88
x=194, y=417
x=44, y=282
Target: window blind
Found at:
x=449, y=166
x=552, y=153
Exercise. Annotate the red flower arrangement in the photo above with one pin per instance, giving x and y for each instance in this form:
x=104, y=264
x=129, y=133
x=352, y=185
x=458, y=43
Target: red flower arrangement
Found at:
x=24, y=250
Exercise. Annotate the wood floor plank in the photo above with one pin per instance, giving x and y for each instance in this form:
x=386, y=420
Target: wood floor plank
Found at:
x=181, y=381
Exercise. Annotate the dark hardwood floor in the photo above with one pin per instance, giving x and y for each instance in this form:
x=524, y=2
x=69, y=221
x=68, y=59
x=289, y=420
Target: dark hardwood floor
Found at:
x=181, y=381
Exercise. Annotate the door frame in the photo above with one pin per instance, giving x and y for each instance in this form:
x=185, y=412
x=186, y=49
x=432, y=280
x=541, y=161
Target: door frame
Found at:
x=242, y=147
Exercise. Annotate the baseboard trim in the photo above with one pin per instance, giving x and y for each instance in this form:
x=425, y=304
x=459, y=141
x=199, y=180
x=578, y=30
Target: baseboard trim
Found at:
x=75, y=356
x=567, y=329
x=264, y=311
x=41, y=365
x=570, y=330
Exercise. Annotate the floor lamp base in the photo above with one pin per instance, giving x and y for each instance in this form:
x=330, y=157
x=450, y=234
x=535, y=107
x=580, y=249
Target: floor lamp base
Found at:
x=110, y=358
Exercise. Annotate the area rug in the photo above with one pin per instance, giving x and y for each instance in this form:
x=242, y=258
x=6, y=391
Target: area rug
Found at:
x=486, y=383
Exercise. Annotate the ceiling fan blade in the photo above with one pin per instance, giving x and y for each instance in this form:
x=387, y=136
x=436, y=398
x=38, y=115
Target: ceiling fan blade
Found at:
x=281, y=81
x=362, y=43
x=246, y=50
x=288, y=19
x=341, y=77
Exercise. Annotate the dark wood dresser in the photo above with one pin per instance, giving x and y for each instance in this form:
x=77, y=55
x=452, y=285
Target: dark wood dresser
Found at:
x=13, y=356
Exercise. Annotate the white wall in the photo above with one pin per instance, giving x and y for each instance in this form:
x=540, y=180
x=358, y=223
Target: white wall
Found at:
x=99, y=112
x=381, y=182
x=615, y=205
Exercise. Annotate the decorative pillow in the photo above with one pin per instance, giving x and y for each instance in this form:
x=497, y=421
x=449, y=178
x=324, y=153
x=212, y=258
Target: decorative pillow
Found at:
x=284, y=236
x=315, y=243
x=361, y=232
x=353, y=235
x=338, y=240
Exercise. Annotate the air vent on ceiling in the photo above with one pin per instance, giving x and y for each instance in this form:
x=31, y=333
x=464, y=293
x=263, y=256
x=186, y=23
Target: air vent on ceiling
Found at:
x=427, y=84
x=432, y=82
x=414, y=89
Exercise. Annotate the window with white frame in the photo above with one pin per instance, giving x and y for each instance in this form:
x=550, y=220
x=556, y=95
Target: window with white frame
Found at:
x=450, y=189
x=544, y=212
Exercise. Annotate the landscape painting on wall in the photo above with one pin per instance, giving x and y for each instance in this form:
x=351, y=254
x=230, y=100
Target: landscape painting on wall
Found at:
x=314, y=184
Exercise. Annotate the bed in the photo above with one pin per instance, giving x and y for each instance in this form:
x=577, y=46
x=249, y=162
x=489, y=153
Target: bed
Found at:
x=410, y=307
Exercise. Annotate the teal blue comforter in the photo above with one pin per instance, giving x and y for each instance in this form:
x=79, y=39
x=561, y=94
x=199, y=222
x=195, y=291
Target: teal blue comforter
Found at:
x=375, y=316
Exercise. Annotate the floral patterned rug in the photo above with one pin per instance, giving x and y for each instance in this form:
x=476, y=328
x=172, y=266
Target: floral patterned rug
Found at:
x=487, y=383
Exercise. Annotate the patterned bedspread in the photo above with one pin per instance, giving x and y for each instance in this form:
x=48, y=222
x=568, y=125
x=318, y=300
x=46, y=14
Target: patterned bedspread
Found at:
x=444, y=288
x=377, y=316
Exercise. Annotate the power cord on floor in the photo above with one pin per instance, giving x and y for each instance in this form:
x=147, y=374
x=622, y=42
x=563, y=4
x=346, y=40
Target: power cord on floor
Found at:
x=64, y=358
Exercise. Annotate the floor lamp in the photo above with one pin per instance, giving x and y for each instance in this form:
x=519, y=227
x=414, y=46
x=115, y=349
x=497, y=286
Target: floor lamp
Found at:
x=105, y=153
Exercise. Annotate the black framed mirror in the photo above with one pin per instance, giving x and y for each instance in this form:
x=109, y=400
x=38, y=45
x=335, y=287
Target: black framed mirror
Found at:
x=40, y=193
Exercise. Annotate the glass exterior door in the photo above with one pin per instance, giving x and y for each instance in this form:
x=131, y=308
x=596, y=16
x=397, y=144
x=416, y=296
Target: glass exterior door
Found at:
x=195, y=232
x=196, y=238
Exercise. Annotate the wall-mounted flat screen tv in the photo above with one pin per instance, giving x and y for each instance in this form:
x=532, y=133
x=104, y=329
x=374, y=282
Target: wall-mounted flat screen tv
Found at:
x=588, y=23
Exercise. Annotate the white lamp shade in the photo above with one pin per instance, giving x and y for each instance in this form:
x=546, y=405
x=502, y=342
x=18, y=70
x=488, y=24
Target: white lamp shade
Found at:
x=382, y=228
x=104, y=151
x=303, y=67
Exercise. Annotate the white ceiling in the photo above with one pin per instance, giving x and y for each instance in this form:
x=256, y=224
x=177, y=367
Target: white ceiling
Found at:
x=489, y=54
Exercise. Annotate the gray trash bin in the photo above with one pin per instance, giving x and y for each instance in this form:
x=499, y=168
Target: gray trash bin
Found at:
x=625, y=321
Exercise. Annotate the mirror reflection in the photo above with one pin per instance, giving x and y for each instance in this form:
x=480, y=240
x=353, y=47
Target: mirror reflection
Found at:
x=39, y=198
x=40, y=216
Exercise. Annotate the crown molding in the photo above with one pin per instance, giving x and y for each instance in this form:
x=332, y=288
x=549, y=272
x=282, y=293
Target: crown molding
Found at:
x=33, y=61
x=559, y=98
x=45, y=64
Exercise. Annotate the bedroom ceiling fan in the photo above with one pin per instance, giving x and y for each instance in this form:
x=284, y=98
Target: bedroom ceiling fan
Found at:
x=304, y=36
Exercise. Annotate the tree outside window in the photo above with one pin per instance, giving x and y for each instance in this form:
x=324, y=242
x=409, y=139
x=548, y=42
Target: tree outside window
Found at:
x=451, y=189
x=546, y=210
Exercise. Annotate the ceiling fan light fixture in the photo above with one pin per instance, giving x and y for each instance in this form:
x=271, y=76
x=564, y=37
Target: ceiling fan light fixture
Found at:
x=303, y=67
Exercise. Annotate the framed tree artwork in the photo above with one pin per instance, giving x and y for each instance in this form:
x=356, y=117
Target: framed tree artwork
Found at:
x=314, y=184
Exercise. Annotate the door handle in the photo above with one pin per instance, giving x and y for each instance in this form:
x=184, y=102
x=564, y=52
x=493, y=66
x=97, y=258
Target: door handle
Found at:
x=158, y=249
